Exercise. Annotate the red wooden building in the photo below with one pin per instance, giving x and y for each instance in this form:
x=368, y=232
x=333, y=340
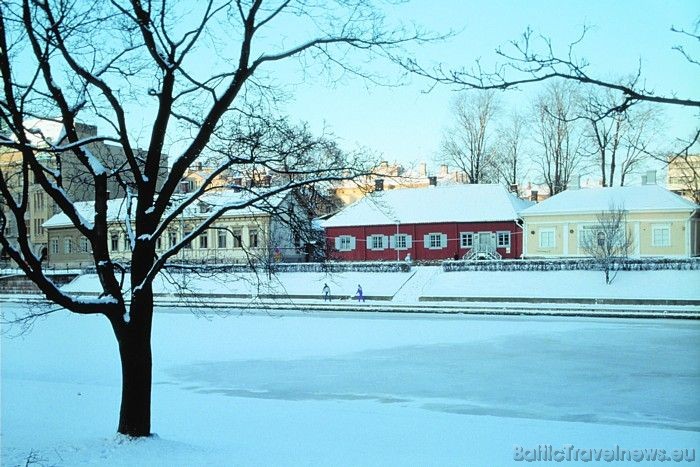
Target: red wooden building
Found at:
x=433, y=223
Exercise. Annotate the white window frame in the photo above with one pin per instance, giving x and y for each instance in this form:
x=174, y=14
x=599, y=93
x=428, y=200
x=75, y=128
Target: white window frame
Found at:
x=221, y=239
x=84, y=245
x=660, y=228
x=67, y=245
x=548, y=230
x=55, y=246
x=498, y=239
x=345, y=242
x=401, y=241
x=204, y=240
x=237, y=238
x=466, y=239
x=377, y=242
x=435, y=241
x=114, y=241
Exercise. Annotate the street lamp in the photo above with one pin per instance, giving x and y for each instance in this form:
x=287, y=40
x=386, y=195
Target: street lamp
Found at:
x=396, y=240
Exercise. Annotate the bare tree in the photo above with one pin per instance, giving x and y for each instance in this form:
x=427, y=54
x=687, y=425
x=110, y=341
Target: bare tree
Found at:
x=557, y=132
x=619, y=140
x=531, y=59
x=608, y=240
x=467, y=144
x=509, y=150
x=107, y=61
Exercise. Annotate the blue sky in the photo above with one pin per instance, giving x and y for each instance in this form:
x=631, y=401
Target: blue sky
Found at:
x=406, y=123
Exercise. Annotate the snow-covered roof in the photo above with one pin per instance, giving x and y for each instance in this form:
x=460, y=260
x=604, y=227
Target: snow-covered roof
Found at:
x=116, y=208
x=454, y=203
x=594, y=200
x=40, y=129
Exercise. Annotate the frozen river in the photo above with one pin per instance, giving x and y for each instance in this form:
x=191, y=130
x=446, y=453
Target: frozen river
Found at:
x=371, y=389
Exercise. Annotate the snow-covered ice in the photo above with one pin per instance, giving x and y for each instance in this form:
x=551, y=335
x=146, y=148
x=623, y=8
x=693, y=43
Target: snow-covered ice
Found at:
x=343, y=389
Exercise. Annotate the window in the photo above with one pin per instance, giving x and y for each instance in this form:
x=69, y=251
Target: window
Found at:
x=237, y=239
x=159, y=243
x=503, y=239
x=253, y=238
x=661, y=235
x=84, y=245
x=38, y=201
x=221, y=239
x=401, y=242
x=114, y=242
x=345, y=243
x=547, y=239
x=435, y=241
x=204, y=240
x=466, y=239
x=67, y=245
x=172, y=239
x=377, y=242
x=127, y=243
x=38, y=229
x=188, y=245
x=54, y=246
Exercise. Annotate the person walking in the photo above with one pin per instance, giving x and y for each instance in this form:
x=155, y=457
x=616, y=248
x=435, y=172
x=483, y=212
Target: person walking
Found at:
x=360, y=296
x=326, y=293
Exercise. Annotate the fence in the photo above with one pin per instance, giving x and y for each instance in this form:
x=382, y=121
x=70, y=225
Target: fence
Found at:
x=584, y=264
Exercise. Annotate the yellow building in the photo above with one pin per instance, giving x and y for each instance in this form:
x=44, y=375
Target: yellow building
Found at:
x=684, y=176
x=77, y=181
x=394, y=176
x=254, y=234
x=658, y=222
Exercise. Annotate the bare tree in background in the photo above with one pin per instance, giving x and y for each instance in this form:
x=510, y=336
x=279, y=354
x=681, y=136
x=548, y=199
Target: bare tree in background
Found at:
x=608, y=240
x=510, y=157
x=107, y=62
x=619, y=140
x=467, y=144
x=558, y=135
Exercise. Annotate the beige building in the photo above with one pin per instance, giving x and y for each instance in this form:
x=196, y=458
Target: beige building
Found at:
x=261, y=233
x=658, y=222
x=77, y=182
x=683, y=176
x=394, y=176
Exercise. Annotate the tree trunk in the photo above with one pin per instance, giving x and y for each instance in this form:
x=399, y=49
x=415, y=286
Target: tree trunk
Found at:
x=134, y=339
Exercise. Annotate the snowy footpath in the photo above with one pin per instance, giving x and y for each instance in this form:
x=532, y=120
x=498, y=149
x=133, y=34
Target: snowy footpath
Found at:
x=430, y=289
x=263, y=388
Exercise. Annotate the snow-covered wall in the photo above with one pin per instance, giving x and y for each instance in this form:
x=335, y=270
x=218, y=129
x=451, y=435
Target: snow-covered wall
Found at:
x=584, y=264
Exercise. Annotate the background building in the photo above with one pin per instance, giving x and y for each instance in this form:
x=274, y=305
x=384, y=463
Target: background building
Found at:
x=659, y=222
x=428, y=224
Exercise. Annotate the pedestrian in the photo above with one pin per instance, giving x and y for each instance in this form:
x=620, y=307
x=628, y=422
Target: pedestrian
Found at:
x=360, y=297
x=326, y=293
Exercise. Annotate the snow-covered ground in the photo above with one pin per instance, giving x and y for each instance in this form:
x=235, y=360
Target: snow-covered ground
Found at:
x=347, y=389
x=432, y=281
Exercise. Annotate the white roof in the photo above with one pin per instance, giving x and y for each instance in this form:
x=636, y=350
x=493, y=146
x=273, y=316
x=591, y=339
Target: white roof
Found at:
x=116, y=208
x=454, y=203
x=629, y=198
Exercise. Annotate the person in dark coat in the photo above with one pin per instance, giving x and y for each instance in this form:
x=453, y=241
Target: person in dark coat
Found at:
x=360, y=296
x=326, y=293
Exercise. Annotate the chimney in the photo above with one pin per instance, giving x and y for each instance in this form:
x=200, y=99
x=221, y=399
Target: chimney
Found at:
x=513, y=188
x=422, y=169
x=649, y=178
x=533, y=195
x=432, y=180
x=379, y=184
